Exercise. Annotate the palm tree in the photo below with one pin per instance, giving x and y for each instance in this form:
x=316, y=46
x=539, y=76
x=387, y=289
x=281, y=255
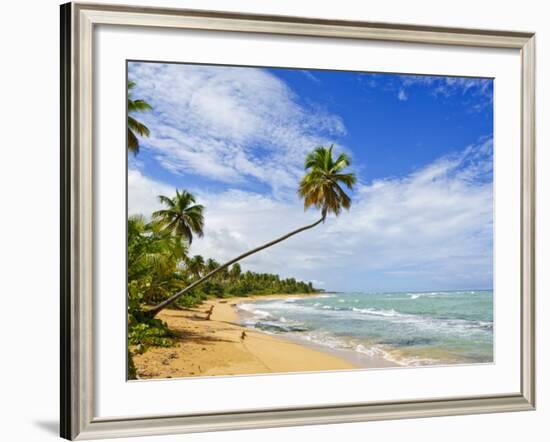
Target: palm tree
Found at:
x=235, y=272
x=211, y=265
x=153, y=256
x=150, y=247
x=195, y=265
x=134, y=126
x=182, y=218
x=321, y=187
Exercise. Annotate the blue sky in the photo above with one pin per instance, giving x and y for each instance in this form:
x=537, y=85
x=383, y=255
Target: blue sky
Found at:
x=421, y=147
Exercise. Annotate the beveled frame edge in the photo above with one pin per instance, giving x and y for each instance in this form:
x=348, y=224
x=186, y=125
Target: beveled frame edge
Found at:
x=66, y=335
x=76, y=413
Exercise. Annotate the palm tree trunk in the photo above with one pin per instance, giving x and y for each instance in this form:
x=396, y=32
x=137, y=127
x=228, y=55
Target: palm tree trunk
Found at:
x=155, y=310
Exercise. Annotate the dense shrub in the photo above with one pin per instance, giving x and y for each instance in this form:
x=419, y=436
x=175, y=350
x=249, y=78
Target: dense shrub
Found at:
x=146, y=332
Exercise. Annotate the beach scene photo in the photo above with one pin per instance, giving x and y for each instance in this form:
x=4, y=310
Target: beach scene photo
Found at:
x=285, y=220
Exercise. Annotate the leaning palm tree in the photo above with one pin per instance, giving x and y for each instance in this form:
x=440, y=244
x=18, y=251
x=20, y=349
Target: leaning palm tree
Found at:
x=321, y=187
x=134, y=126
x=182, y=217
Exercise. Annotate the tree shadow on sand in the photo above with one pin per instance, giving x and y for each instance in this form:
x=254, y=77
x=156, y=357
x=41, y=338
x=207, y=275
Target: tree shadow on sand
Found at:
x=198, y=338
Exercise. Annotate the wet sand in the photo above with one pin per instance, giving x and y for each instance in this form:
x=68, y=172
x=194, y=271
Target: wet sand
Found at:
x=220, y=346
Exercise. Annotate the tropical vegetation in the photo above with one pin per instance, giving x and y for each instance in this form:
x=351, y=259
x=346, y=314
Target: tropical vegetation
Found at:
x=163, y=273
x=135, y=127
x=159, y=265
x=321, y=187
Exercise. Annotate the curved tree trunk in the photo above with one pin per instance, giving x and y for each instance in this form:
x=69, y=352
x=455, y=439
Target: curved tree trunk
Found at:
x=156, y=309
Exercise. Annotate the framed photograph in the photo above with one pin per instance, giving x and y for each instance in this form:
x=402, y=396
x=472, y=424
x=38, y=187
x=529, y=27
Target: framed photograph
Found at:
x=274, y=221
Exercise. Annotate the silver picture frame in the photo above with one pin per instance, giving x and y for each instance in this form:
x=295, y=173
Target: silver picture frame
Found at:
x=78, y=21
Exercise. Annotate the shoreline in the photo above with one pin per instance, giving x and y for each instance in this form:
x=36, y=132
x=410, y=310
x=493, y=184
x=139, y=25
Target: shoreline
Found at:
x=220, y=338
x=221, y=346
x=358, y=360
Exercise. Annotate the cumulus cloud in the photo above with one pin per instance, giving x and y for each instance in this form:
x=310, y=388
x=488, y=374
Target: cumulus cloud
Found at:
x=431, y=229
x=143, y=193
x=229, y=124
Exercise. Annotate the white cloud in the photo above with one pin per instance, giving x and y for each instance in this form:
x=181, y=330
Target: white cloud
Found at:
x=143, y=193
x=448, y=86
x=479, y=89
x=312, y=77
x=431, y=229
x=229, y=123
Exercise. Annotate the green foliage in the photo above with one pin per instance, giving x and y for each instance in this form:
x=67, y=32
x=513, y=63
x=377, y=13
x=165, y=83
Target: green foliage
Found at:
x=132, y=373
x=247, y=284
x=158, y=262
x=194, y=298
x=213, y=287
x=135, y=127
x=321, y=185
x=251, y=283
x=195, y=265
x=159, y=266
x=182, y=217
x=153, y=259
x=211, y=265
x=144, y=333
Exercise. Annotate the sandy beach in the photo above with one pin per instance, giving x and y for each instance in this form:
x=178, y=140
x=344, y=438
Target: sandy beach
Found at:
x=216, y=346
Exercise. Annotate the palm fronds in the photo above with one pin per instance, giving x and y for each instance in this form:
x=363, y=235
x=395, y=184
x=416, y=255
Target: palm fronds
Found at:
x=321, y=185
x=135, y=127
x=183, y=217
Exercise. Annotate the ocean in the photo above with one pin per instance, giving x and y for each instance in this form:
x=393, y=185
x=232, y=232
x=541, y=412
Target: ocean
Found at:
x=407, y=328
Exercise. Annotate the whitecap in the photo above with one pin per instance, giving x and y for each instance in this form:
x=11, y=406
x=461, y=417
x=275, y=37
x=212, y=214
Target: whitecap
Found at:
x=375, y=312
x=251, y=308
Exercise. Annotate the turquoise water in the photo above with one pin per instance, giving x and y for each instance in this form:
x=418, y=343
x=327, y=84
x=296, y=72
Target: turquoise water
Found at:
x=405, y=328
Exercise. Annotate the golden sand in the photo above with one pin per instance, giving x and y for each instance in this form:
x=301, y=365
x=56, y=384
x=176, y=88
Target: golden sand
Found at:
x=217, y=346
